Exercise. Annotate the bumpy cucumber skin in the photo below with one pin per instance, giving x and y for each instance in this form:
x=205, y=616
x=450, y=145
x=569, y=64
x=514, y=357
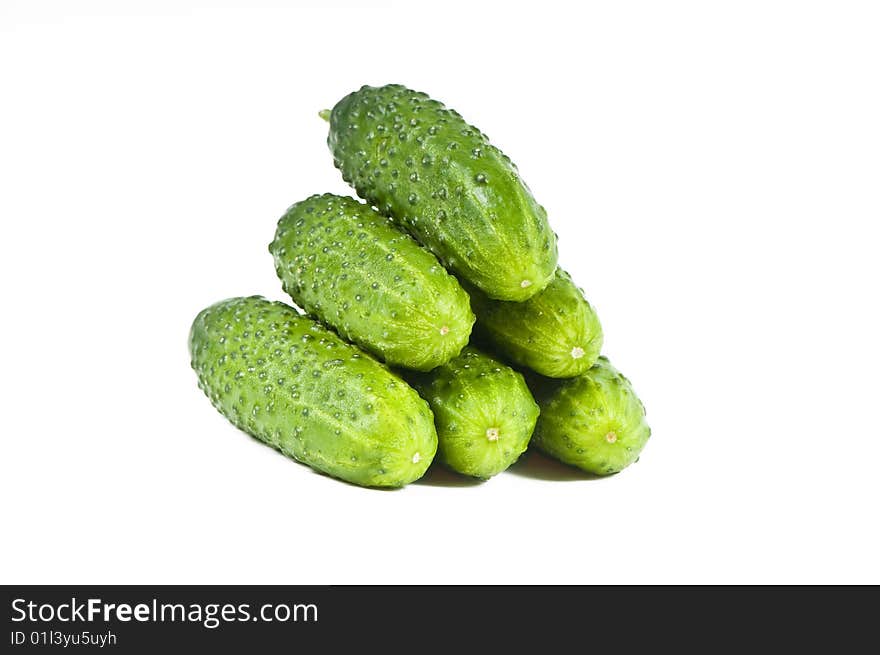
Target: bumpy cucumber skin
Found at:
x=345, y=264
x=442, y=180
x=298, y=387
x=483, y=411
x=594, y=421
x=555, y=333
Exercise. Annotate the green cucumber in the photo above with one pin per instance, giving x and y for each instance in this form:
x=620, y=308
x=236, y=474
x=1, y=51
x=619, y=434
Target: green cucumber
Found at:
x=346, y=265
x=555, y=333
x=440, y=178
x=295, y=385
x=594, y=421
x=483, y=411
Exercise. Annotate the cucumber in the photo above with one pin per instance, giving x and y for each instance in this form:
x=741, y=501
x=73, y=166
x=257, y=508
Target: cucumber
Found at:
x=555, y=333
x=594, y=421
x=346, y=265
x=295, y=385
x=483, y=411
x=440, y=178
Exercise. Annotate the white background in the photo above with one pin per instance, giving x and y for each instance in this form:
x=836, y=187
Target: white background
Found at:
x=712, y=171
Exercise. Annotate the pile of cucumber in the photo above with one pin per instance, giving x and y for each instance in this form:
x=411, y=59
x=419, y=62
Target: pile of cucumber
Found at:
x=437, y=320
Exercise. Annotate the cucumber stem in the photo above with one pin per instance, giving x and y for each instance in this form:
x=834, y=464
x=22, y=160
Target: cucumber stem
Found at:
x=325, y=114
